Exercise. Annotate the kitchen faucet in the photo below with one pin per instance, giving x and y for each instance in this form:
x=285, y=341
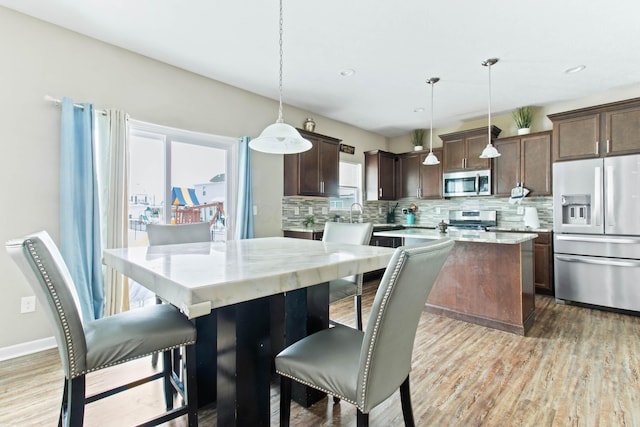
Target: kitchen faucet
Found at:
x=351, y=211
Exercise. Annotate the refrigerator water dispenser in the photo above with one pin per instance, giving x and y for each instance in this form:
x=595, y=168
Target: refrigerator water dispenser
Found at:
x=576, y=209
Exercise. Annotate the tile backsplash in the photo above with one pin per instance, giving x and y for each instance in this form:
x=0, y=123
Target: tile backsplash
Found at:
x=429, y=212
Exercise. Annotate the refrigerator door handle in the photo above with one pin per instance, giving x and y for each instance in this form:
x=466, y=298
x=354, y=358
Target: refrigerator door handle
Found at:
x=597, y=239
x=598, y=261
x=610, y=197
x=597, y=202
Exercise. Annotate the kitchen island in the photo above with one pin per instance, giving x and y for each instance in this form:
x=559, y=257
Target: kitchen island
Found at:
x=487, y=279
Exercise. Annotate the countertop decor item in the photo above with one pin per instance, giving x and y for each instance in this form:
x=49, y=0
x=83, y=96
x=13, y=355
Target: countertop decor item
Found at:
x=489, y=151
x=523, y=116
x=442, y=226
x=280, y=138
x=308, y=221
x=417, y=139
x=431, y=158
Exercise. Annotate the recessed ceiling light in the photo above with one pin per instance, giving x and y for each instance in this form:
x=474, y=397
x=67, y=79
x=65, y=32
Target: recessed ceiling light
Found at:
x=574, y=70
x=347, y=72
x=418, y=110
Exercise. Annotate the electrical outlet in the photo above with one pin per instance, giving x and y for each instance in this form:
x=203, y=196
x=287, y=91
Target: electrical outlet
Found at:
x=437, y=210
x=296, y=211
x=255, y=210
x=325, y=211
x=379, y=211
x=28, y=304
x=310, y=210
x=520, y=210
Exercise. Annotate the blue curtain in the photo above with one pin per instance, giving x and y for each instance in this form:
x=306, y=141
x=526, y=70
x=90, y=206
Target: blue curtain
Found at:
x=79, y=213
x=244, y=214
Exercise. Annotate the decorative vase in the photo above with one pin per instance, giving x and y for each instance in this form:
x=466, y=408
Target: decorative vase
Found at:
x=309, y=124
x=418, y=148
x=523, y=131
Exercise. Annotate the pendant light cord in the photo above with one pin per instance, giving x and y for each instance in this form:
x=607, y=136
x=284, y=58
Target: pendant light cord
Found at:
x=280, y=120
x=489, y=128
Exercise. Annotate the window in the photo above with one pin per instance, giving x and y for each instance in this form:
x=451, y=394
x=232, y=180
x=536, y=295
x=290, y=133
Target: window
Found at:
x=350, y=187
x=178, y=176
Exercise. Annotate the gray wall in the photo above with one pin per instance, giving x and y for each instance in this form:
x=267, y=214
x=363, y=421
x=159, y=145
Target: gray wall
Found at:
x=41, y=59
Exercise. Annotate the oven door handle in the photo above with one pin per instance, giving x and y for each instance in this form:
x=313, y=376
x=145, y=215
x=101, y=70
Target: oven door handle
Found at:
x=598, y=261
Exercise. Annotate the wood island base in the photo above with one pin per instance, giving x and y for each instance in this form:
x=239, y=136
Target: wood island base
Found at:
x=487, y=284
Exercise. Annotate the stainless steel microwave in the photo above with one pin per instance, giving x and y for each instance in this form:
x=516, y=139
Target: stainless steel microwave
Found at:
x=467, y=183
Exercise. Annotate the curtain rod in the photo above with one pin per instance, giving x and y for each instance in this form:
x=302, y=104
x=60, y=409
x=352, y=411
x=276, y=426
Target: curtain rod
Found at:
x=58, y=102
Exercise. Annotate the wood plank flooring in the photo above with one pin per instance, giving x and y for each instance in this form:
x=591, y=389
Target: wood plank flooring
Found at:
x=576, y=367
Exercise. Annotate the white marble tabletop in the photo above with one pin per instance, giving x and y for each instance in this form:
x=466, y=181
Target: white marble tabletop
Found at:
x=459, y=235
x=197, y=277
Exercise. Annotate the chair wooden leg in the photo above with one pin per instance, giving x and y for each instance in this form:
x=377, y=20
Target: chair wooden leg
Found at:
x=362, y=419
x=405, y=399
x=72, y=407
x=192, y=386
x=285, y=401
x=167, y=369
x=358, y=308
x=336, y=400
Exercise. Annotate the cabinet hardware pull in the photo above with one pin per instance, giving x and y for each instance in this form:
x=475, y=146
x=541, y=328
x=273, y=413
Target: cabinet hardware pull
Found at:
x=597, y=148
x=380, y=192
x=607, y=146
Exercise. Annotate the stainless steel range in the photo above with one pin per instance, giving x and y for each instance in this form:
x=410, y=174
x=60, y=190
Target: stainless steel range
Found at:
x=597, y=231
x=472, y=220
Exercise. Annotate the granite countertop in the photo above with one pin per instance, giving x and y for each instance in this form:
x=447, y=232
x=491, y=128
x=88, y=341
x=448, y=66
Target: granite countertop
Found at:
x=460, y=235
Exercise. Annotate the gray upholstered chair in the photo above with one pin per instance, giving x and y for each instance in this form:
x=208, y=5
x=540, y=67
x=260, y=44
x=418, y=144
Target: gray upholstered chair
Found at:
x=87, y=346
x=169, y=234
x=365, y=368
x=357, y=234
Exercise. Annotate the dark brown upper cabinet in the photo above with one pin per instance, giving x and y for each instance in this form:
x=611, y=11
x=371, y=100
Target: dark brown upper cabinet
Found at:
x=526, y=160
x=416, y=180
x=380, y=175
x=603, y=130
x=461, y=150
x=314, y=172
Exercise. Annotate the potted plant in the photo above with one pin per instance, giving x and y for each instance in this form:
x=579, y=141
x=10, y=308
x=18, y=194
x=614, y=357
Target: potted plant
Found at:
x=523, y=116
x=417, y=139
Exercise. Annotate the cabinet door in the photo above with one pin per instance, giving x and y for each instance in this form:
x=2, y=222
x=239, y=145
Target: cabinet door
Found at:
x=536, y=163
x=431, y=177
x=329, y=169
x=408, y=173
x=622, y=131
x=576, y=138
x=309, y=170
x=543, y=273
x=387, y=177
x=475, y=145
x=454, y=155
x=506, y=168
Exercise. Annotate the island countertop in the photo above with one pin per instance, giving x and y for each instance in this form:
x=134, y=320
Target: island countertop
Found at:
x=460, y=235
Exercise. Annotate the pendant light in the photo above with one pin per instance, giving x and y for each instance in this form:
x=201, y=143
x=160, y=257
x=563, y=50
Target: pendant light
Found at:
x=280, y=138
x=489, y=151
x=431, y=158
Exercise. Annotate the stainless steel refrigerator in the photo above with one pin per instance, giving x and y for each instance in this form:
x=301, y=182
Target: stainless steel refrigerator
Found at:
x=596, y=223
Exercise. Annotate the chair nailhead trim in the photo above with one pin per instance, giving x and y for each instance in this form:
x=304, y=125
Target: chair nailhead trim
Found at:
x=376, y=326
x=329, y=392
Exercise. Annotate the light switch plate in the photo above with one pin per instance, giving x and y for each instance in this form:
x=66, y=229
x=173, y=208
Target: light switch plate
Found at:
x=520, y=210
x=296, y=211
x=325, y=211
x=310, y=210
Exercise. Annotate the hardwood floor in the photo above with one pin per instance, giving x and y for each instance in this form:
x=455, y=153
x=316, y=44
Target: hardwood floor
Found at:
x=576, y=367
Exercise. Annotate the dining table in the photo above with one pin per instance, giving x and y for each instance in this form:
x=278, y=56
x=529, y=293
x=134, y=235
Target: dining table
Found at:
x=249, y=299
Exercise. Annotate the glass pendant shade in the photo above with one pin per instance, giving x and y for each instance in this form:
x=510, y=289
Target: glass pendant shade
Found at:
x=280, y=138
x=431, y=158
x=489, y=152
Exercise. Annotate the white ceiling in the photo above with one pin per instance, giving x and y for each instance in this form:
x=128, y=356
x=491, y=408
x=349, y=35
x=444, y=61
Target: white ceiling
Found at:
x=394, y=47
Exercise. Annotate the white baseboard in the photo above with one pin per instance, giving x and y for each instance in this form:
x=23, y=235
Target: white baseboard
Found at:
x=30, y=347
